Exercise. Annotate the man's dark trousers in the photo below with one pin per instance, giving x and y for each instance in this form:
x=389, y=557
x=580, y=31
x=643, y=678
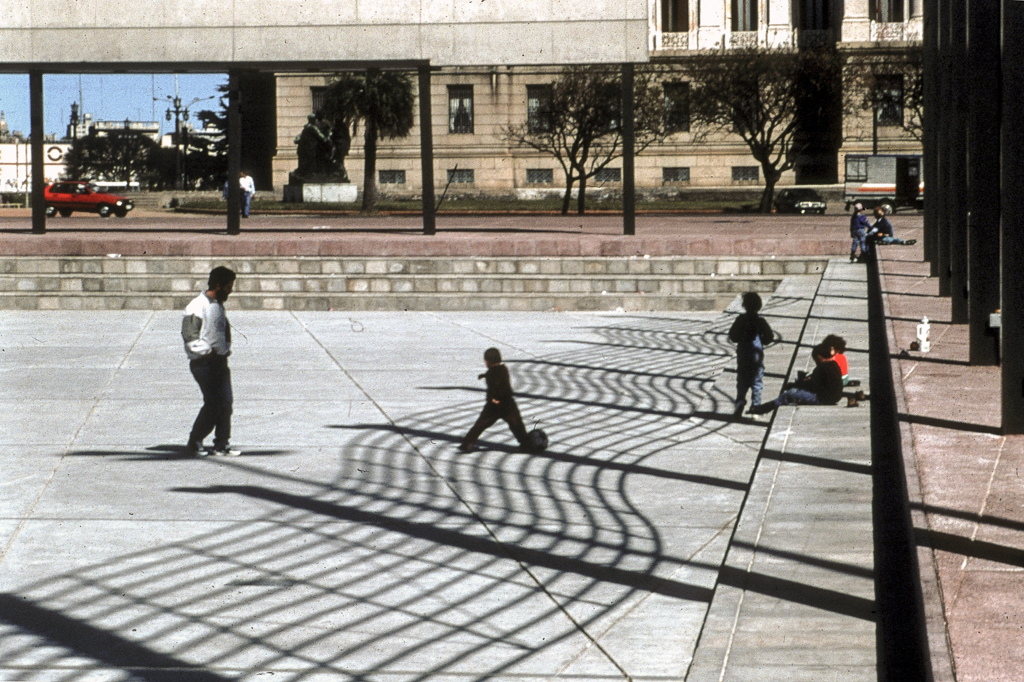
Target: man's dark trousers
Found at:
x=214, y=378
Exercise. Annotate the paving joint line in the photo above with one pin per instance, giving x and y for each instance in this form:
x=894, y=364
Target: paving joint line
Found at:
x=472, y=512
x=753, y=473
x=71, y=442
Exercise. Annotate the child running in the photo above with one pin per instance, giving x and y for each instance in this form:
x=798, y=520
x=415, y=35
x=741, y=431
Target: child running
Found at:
x=751, y=333
x=499, y=404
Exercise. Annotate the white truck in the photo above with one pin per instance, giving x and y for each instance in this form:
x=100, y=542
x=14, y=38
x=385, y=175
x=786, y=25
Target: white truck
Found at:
x=891, y=181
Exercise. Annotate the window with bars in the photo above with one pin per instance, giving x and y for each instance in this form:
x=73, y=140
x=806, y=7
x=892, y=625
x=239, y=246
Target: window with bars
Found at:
x=675, y=174
x=814, y=15
x=460, y=109
x=391, y=177
x=606, y=175
x=538, y=108
x=885, y=11
x=677, y=107
x=744, y=15
x=319, y=97
x=460, y=176
x=539, y=176
x=889, y=99
x=745, y=174
x=674, y=16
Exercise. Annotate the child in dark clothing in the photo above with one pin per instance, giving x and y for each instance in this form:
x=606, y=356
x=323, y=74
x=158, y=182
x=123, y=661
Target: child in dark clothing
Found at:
x=751, y=333
x=881, y=231
x=823, y=387
x=500, y=403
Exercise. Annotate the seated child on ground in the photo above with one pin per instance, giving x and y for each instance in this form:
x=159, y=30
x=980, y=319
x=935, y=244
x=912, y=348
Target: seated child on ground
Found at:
x=881, y=231
x=823, y=387
x=838, y=346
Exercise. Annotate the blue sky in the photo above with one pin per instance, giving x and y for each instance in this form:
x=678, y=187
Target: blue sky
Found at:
x=108, y=97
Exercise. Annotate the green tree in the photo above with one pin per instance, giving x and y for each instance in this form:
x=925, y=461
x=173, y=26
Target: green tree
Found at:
x=384, y=102
x=766, y=96
x=578, y=125
x=122, y=156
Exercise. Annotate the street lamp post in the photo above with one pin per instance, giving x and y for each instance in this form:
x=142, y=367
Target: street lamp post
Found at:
x=179, y=113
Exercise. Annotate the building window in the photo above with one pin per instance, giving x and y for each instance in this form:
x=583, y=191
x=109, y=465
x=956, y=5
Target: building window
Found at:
x=538, y=108
x=813, y=15
x=675, y=16
x=539, y=176
x=458, y=176
x=606, y=175
x=889, y=99
x=676, y=174
x=677, y=107
x=885, y=11
x=460, y=109
x=745, y=174
x=744, y=15
x=391, y=177
x=319, y=97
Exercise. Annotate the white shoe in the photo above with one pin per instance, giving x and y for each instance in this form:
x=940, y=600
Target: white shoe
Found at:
x=226, y=452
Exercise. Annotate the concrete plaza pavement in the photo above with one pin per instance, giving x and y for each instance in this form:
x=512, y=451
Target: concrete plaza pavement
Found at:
x=656, y=539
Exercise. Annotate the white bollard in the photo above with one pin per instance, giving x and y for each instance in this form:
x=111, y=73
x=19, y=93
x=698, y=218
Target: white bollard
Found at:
x=922, y=335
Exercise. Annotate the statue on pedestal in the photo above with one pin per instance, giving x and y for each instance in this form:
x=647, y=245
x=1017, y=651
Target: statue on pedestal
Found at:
x=321, y=149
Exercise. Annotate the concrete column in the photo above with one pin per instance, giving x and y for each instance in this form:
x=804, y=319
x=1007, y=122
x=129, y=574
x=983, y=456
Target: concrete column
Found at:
x=944, y=114
x=983, y=77
x=36, y=120
x=426, y=151
x=234, y=154
x=957, y=197
x=930, y=142
x=1012, y=143
x=628, y=152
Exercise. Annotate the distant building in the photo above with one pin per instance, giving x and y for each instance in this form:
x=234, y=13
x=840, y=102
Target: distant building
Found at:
x=87, y=126
x=486, y=98
x=16, y=163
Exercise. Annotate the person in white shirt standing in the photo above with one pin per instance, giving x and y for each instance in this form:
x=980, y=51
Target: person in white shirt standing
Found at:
x=248, y=188
x=207, y=337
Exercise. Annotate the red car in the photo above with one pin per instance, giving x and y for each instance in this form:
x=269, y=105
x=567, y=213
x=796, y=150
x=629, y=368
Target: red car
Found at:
x=76, y=195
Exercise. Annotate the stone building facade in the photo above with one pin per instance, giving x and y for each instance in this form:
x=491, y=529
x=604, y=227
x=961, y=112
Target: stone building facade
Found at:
x=471, y=105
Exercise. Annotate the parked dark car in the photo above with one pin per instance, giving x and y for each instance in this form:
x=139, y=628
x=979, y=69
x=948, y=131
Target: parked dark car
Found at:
x=66, y=197
x=799, y=200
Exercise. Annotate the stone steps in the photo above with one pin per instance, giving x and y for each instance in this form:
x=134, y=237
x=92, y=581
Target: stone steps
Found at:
x=400, y=283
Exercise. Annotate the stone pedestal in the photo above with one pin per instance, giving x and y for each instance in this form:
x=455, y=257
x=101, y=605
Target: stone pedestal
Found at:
x=326, y=193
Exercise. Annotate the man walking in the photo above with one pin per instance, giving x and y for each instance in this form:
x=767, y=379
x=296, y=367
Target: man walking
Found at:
x=248, y=189
x=207, y=337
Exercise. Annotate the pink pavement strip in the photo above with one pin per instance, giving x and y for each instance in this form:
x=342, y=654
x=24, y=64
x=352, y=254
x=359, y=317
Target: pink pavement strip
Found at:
x=971, y=506
x=168, y=234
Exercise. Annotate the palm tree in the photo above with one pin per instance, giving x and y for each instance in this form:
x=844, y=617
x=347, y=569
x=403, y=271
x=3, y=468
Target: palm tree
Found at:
x=384, y=101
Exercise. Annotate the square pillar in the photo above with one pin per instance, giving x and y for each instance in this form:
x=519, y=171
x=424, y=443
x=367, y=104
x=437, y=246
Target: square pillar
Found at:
x=1012, y=274
x=234, y=154
x=427, y=151
x=36, y=120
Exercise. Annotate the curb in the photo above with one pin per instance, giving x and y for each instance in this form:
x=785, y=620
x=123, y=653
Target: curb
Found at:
x=939, y=647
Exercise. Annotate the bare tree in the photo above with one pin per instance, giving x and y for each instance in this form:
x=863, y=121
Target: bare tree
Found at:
x=890, y=86
x=767, y=96
x=577, y=121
